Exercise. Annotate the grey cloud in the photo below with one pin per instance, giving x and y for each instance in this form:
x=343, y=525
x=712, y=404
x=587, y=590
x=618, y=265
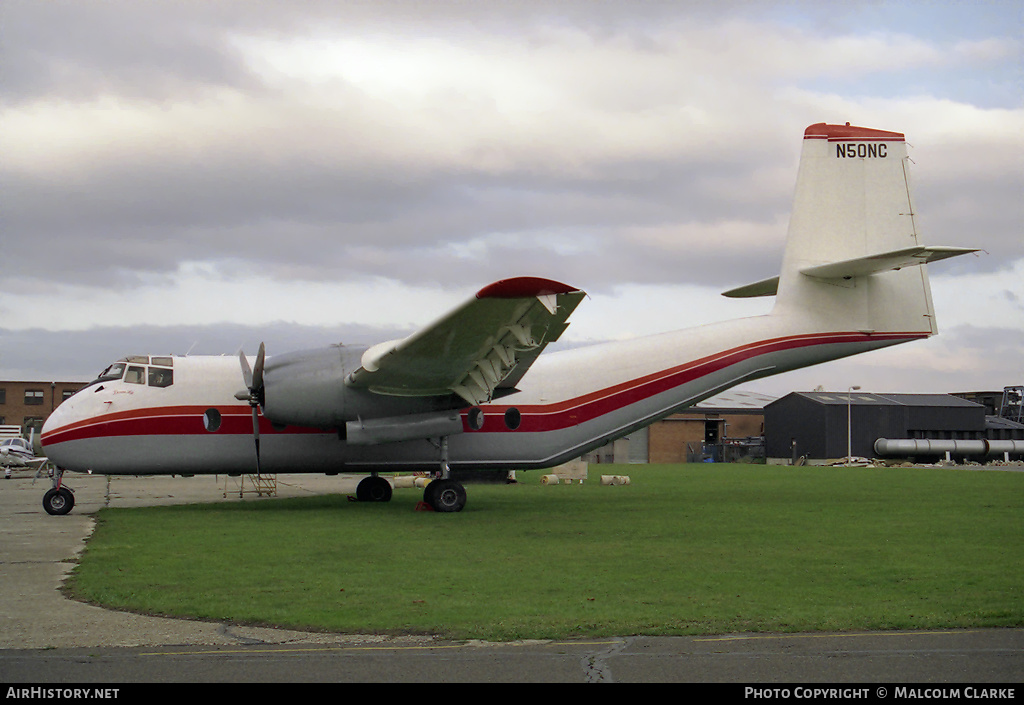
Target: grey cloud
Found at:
x=263, y=203
x=67, y=356
x=323, y=220
x=83, y=50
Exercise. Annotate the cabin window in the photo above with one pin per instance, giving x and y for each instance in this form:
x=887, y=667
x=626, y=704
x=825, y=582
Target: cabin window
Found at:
x=211, y=420
x=512, y=418
x=160, y=377
x=135, y=375
x=476, y=418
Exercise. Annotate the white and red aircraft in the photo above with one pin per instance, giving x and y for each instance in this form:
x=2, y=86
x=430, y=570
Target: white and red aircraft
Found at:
x=472, y=391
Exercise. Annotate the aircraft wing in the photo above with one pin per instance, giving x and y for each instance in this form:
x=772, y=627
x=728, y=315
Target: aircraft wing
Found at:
x=479, y=350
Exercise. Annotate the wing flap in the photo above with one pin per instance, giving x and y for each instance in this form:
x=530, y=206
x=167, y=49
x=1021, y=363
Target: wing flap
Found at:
x=478, y=350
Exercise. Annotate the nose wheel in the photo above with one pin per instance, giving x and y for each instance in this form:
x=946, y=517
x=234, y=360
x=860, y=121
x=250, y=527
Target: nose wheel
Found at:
x=59, y=499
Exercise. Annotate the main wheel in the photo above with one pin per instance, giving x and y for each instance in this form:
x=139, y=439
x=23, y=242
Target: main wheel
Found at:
x=58, y=501
x=445, y=496
x=373, y=489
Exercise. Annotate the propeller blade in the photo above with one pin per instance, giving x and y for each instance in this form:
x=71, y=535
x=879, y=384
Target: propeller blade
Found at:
x=257, y=375
x=246, y=371
x=254, y=385
x=256, y=434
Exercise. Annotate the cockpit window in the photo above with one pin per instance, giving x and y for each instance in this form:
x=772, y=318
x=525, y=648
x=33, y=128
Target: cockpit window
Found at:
x=159, y=373
x=135, y=375
x=160, y=376
x=115, y=371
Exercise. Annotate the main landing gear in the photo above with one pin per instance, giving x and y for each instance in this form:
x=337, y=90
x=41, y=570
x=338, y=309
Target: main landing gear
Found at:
x=58, y=500
x=373, y=489
x=443, y=494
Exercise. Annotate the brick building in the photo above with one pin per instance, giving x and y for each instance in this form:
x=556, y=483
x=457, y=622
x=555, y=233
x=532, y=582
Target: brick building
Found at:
x=27, y=404
x=725, y=428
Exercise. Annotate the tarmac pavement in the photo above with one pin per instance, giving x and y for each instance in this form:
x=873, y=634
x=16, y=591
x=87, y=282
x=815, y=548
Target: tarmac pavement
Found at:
x=45, y=637
x=38, y=551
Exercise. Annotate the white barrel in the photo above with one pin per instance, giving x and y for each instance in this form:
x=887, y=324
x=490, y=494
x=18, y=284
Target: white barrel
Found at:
x=614, y=479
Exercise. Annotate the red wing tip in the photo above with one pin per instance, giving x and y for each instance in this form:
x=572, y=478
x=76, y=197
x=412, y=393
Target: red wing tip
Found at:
x=822, y=131
x=523, y=287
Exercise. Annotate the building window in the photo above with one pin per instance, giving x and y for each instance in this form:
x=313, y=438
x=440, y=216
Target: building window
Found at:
x=33, y=397
x=3, y=395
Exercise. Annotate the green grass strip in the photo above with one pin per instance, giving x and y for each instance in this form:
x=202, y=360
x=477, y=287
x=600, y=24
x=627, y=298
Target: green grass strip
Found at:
x=686, y=549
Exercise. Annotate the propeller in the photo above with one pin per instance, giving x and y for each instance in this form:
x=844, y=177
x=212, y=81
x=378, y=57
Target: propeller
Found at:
x=254, y=394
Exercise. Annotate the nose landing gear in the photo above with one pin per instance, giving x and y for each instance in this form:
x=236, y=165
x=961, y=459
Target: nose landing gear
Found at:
x=58, y=500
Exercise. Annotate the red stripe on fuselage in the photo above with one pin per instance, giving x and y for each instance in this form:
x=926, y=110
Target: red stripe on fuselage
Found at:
x=571, y=412
x=166, y=421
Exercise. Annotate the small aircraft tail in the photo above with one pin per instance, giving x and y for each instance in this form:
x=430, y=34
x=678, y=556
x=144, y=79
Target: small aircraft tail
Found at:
x=852, y=246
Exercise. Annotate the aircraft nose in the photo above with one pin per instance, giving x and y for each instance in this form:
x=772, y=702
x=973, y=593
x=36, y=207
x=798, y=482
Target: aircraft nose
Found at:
x=54, y=422
x=51, y=423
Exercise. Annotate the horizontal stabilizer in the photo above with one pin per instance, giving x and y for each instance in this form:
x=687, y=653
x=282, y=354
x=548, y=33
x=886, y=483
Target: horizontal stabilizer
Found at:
x=884, y=262
x=858, y=267
x=765, y=287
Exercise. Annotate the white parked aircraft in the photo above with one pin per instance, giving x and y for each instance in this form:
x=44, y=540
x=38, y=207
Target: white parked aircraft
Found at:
x=472, y=391
x=17, y=452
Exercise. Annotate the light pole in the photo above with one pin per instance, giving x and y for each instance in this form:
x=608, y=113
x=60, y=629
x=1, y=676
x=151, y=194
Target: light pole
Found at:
x=849, y=425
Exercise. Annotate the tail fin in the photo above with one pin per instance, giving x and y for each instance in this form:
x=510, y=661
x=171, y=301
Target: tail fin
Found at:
x=853, y=241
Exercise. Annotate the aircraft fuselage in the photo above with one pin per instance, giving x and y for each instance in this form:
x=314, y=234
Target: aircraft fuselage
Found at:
x=570, y=402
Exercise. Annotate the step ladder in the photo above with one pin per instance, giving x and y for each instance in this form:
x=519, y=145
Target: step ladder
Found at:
x=259, y=485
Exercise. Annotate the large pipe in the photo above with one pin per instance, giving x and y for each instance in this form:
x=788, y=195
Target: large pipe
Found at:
x=927, y=446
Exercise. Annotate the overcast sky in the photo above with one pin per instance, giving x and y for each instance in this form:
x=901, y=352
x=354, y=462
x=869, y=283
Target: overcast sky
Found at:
x=202, y=176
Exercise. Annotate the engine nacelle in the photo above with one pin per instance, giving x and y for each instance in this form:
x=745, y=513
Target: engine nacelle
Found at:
x=307, y=388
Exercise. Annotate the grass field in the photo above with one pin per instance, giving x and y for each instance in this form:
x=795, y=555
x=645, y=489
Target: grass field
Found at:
x=684, y=549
